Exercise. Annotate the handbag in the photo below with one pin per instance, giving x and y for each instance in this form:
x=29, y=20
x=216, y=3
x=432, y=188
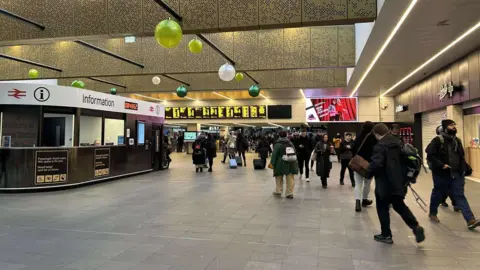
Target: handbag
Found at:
x=333, y=158
x=358, y=163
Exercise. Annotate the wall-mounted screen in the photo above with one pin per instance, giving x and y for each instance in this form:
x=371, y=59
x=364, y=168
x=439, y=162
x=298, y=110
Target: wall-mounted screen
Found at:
x=189, y=136
x=331, y=110
x=140, y=133
x=279, y=111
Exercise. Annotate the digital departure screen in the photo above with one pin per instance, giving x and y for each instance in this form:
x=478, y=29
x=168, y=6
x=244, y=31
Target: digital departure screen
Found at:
x=217, y=112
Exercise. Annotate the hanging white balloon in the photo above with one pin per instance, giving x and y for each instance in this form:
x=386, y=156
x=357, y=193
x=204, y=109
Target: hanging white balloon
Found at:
x=156, y=80
x=226, y=72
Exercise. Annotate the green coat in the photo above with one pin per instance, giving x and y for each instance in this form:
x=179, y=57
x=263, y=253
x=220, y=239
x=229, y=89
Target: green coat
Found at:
x=281, y=167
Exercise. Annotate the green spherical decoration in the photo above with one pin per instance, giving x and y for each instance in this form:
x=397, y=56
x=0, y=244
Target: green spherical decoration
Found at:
x=113, y=91
x=33, y=73
x=78, y=84
x=254, y=91
x=168, y=33
x=182, y=91
x=195, y=46
x=239, y=76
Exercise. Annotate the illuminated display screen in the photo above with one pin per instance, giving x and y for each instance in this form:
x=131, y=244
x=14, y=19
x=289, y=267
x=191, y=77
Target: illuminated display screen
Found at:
x=217, y=112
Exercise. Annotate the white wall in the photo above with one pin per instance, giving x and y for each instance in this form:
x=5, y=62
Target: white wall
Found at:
x=90, y=129
x=376, y=110
x=46, y=81
x=113, y=129
x=69, y=119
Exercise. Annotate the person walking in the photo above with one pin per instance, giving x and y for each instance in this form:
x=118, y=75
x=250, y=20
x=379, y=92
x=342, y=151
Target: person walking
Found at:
x=199, y=154
x=283, y=166
x=446, y=159
x=391, y=188
x=323, y=150
x=180, y=143
x=316, y=139
x=336, y=142
x=211, y=148
x=345, y=154
x=242, y=146
x=263, y=148
x=365, y=141
x=304, y=148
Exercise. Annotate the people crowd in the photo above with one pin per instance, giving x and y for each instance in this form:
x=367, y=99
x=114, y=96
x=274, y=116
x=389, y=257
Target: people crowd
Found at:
x=375, y=153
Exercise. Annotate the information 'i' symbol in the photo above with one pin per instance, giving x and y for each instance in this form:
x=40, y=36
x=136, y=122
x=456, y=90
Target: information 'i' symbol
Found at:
x=41, y=94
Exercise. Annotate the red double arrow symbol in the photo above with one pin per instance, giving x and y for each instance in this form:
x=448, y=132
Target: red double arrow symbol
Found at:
x=18, y=94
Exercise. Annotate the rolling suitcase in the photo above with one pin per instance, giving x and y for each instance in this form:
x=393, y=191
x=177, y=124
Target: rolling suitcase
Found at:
x=239, y=161
x=258, y=164
x=233, y=164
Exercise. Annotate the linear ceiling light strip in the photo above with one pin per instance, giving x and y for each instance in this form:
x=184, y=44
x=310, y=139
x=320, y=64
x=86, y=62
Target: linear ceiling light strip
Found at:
x=384, y=46
x=23, y=19
x=107, y=82
x=220, y=95
x=119, y=57
x=448, y=47
x=25, y=61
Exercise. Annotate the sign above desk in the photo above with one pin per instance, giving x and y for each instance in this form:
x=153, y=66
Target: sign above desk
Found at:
x=217, y=112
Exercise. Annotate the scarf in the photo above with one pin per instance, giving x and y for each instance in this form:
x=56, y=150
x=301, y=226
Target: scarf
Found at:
x=451, y=137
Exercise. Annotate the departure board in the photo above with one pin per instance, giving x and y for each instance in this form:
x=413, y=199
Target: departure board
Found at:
x=217, y=112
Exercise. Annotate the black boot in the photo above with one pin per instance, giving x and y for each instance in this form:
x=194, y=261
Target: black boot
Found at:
x=196, y=170
x=201, y=169
x=358, y=206
x=366, y=202
x=341, y=182
x=383, y=239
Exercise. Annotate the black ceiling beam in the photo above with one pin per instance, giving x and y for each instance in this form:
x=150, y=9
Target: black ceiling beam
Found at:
x=251, y=78
x=25, y=61
x=107, y=82
x=23, y=19
x=119, y=57
x=206, y=40
x=169, y=10
x=175, y=79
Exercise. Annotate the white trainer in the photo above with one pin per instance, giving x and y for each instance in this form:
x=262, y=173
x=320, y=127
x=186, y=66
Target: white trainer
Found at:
x=308, y=180
x=300, y=177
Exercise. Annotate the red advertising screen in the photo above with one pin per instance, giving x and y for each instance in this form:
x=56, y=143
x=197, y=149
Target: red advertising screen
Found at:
x=331, y=110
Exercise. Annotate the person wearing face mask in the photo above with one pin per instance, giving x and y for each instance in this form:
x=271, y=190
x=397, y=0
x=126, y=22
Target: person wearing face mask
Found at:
x=446, y=159
x=304, y=148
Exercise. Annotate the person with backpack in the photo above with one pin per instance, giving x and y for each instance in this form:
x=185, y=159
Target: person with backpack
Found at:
x=263, y=148
x=323, y=150
x=345, y=154
x=242, y=147
x=446, y=159
x=199, y=154
x=304, y=148
x=284, y=164
x=391, y=188
x=364, y=150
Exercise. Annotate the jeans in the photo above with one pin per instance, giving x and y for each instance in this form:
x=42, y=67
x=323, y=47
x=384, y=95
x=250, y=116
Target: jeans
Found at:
x=344, y=163
x=362, y=187
x=303, y=163
x=290, y=184
x=456, y=185
x=383, y=211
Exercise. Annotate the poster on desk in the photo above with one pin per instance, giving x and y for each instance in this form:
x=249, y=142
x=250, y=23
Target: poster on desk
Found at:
x=51, y=167
x=102, y=162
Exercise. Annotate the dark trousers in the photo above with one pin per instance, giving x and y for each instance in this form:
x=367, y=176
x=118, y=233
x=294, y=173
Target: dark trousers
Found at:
x=242, y=154
x=324, y=181
x=210, y=162
x=383, y=211
x=344, y=163
x=303, y=163
x=264, y=160
x=441, y=186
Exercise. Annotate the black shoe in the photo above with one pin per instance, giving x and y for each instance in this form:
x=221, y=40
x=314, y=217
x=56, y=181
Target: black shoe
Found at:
x=358, y=206
x=210, y=170
x=201, y=169
x=444, y=204
x=196, y=170
x=223, y=161
x=419, y=234
x=325, y=186
x=456, y=209
x=342, y=183
x=353, y=184
x=383, y=239
x=366, y=202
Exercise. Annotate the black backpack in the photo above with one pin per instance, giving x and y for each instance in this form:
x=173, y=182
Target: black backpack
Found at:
x=413, y=162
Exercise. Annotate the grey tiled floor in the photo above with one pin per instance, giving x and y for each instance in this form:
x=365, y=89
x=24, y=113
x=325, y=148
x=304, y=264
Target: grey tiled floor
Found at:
x=178, y=219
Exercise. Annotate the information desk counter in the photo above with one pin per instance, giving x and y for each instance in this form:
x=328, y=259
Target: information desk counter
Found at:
x=29, y=168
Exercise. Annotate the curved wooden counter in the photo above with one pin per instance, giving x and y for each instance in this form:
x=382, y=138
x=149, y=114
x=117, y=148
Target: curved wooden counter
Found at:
x=474, y=160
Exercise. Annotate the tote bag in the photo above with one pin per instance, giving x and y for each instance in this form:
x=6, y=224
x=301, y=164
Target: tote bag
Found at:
x=358, y=163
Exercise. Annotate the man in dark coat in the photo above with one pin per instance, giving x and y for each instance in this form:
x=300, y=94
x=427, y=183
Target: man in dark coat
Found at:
x=345, y=154
x=446, y=159
x=390, y=188
x=304, y=148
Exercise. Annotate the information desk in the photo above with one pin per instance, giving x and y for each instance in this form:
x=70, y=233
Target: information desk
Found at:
x=45, y=167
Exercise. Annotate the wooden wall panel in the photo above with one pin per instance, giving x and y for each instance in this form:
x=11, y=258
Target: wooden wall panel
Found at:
x=463, y=70
x=474, y=74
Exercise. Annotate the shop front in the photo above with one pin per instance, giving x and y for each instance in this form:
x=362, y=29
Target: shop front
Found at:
x=54, y=136
x=451, y=93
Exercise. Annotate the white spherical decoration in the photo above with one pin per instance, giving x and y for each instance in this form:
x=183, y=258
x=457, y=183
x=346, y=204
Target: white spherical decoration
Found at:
x=226, y=72
x=156, y=80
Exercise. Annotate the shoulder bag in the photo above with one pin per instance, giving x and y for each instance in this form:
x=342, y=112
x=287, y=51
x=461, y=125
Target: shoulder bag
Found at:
x=358, y=163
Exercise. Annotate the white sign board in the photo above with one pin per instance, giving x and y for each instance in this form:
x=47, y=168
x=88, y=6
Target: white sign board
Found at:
x=63, y=96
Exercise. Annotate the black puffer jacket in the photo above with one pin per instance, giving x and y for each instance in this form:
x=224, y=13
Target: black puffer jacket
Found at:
x=366, y=151
x=449, y=152
x=389, y=168
x=303, y=146
x=346, y=149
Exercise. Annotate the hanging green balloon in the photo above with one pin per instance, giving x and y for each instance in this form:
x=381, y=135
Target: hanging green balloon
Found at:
x=195, y=46
x=78, y=84
x=239, y=76
x=181, y=91
x=168, y=33
x=33, y=73
x=254, y=91
x=113, y=91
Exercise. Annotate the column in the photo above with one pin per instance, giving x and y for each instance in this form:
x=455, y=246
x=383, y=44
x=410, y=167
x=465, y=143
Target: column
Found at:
x=191, y=127
x=455, y=112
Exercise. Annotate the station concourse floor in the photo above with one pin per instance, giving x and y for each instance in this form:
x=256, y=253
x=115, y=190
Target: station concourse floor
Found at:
x=228, y=219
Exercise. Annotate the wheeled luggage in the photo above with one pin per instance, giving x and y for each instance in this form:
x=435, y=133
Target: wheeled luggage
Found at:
x=258, y=164
x=233, y=164
x=239, y=161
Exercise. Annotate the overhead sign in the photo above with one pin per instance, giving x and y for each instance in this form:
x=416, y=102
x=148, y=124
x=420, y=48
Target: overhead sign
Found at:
x=401, y=108
x=446, y=89
x=217, y=112
x=64, y=96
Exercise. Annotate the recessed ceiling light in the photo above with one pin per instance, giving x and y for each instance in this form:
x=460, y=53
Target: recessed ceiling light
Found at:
x=448, y=47
x=303, y=94
x=276, y=125
x=263, y=96
x=220, y=95
x=245, y=125
x=384, y=46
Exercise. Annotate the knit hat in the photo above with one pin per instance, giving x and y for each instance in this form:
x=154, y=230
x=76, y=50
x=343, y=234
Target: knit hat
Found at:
x=446, y=123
